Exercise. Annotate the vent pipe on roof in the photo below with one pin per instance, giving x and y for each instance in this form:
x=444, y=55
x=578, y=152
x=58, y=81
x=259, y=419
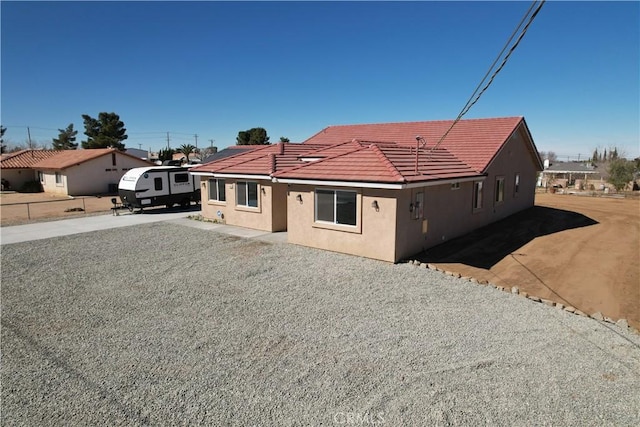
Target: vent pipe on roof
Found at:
x=418, y=139
x=272, y=162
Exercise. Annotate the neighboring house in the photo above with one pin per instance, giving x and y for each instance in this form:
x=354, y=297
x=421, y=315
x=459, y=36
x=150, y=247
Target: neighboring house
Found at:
x=85, y=172
x=142, y=154
x=571, y=174
x=229, y=151
x=16, y=168
x=384, y=191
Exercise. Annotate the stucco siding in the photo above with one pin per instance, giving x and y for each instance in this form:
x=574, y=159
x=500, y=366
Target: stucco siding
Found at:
x=270, y=215
x=450, y=213
x=18, y=177
x=372, y=237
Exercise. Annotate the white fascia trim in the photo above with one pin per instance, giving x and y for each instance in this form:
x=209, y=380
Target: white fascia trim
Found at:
x=238, y=176
x=341, y=183
x=378, y=185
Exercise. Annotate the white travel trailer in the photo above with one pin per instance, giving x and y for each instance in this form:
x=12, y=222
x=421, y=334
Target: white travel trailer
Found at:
x=158, y=186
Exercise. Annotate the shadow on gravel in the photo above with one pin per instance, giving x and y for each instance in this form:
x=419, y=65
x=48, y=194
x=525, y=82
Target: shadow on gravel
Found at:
x=164, y=210
x=485, y=247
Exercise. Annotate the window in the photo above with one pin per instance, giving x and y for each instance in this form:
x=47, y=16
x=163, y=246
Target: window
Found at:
x=477, y=195
x=247, y=194
x=113, y=159
x=516, y=184
x=337, y=207
x=455, y=186
x=58, y=178
x=182, y=177
x=499, y=189
x=157, y=182
x=216, y=190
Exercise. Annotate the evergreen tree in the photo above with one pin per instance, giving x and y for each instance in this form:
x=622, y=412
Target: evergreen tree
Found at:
x=105, y=131
x=3, y=147
x=594, y=157
x=66, y=139
x=253, y=136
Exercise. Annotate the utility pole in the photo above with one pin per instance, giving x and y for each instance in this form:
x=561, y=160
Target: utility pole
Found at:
x=29, y=137
x=168, y=148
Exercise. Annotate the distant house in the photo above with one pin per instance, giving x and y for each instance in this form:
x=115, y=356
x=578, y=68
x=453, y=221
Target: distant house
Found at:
x=384, y=191
x=85, y=172
x=16, y=168
x=571, y=174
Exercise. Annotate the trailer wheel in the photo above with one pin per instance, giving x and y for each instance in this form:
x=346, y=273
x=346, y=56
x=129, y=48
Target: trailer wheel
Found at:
x=130, y=207
x=185, y=203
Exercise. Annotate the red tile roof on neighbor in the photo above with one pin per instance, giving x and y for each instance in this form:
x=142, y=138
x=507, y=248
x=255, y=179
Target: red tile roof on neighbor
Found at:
x=24, y=159
x=380, y=153
x=64, y=159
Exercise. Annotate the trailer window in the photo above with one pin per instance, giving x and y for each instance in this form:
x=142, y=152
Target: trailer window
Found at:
x=157, y=182
x=182, y=177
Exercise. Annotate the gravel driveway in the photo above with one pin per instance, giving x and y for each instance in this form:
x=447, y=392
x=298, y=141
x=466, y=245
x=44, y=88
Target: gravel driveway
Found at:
x=161, y=324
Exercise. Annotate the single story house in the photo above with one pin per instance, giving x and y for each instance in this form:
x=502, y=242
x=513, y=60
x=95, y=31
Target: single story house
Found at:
x=84, y=172
x=384, y=191
x=16, y=168
x=571, y=174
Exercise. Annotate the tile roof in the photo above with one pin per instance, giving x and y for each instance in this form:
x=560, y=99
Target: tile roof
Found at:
x=474, y=141
x=380, y=153
x=262, y=161
x=24, y=159
x=67, y=158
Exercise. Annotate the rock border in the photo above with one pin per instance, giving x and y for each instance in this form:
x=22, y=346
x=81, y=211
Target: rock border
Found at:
x=514, y=290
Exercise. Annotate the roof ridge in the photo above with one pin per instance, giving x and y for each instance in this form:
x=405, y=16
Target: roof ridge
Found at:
x=246, y=153
x=419, y=121
x=394, y=171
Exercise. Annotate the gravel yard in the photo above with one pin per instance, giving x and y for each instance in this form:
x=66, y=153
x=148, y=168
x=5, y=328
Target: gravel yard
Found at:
x=163, y=324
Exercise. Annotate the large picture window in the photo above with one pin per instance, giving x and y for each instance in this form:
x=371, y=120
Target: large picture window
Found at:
x=335, y=206
x=247, y=194
x=216, y=190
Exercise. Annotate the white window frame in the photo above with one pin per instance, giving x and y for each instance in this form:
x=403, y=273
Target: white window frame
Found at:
x=59, y=180
x=455, y=186
x=516, y=184
x=217, y=183
x=478, y=195
x=499, y=190
x=335, y=207
x=245, y=203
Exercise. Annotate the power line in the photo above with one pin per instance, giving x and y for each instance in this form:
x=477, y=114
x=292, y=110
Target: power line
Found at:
x=474, y=98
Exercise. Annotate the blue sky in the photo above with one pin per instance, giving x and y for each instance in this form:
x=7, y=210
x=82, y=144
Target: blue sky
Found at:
x=215, y=68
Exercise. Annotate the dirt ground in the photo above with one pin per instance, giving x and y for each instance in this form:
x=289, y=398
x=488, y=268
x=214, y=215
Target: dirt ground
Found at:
x=14, y=211
x=579, y=251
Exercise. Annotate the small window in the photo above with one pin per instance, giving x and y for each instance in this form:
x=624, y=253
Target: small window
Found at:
x=516, y=184
x=247, y=194
x=157, y=182
x=337, y=207
x=455, y=186
x=499, y=189
x=477, y=195
x=113, y=159
x=217, y=190
x=58, y=178
x=182, y=177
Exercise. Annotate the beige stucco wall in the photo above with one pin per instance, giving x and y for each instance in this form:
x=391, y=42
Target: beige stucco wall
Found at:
x=18, y=177
x=372, y=237
x=91, y=177
x=449, y=213
x=270, y=215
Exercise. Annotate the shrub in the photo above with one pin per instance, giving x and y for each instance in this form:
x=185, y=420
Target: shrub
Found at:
x=31, y=187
